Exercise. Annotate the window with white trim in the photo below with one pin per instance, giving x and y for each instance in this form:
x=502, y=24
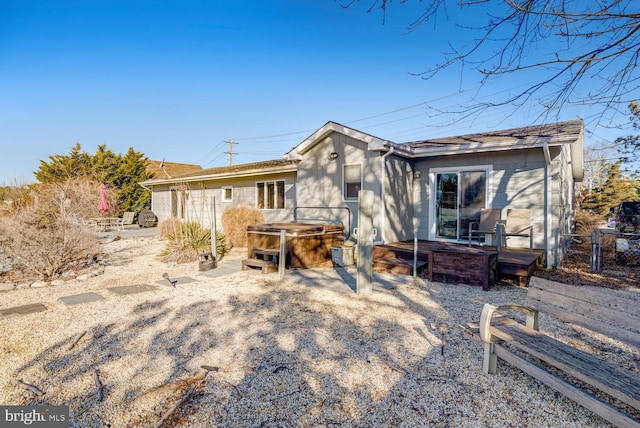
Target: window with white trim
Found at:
x=352, y=180
x=270, y=195
x=227, y=193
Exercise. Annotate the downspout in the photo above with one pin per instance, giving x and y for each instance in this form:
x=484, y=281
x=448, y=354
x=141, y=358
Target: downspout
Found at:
x=383, y=180
x=548, y=220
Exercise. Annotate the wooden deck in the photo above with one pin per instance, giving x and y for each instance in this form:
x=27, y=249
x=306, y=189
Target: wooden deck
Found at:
x=458, y=263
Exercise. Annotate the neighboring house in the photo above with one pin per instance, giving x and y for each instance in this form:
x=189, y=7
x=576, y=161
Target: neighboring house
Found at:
x=429, y=188
x=162, y=169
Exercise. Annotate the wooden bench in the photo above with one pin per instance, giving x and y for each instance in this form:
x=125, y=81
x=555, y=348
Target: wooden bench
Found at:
x=537, y=354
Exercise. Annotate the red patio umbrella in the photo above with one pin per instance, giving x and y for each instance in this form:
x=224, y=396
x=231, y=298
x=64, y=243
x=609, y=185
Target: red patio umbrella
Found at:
x=103, y=205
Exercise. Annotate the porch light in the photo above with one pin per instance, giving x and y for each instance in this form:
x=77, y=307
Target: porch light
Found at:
x=333, y=156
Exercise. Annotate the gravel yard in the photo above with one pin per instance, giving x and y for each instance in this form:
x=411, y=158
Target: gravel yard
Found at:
x=276, y=353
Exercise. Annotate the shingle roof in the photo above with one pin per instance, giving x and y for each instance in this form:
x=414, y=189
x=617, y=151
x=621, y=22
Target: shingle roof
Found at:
x=553, y=131
x=171, y=168
x=254, y=168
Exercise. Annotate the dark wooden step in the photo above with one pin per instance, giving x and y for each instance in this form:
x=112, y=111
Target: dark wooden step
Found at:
x=397, y=265
x=389, y=251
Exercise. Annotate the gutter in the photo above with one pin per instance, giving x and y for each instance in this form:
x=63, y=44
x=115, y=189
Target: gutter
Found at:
x=548, y=219
x=221, y=176
x=383, y=180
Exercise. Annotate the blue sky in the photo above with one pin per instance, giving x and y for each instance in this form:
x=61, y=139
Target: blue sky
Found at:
x=174, y=80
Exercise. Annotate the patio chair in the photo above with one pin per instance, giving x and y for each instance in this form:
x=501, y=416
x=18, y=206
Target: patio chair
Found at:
x=518, y=224
x=127, y=219
x=489, y=218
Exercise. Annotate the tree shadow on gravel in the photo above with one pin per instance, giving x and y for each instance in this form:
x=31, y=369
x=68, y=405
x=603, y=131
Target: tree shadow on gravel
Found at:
x=278, y=354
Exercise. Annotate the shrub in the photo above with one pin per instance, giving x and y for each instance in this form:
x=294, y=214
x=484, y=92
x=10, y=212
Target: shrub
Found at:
x=191, y=239
x=168, y=227
x=586, y=221
x=235, y=222
x=45, y=237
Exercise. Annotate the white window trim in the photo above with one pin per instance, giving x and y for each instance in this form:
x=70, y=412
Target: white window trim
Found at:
x=223, y=190
x=343, y=190
x=284, y=186
x=488, y=169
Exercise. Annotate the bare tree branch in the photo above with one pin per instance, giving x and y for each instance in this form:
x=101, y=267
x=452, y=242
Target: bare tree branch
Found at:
x=571, y=45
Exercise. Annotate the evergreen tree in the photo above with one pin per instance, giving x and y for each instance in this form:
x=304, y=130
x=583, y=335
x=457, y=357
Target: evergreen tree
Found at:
x=132, y=170
x=120, y=172
x=616, y=188
x=630, y=145
x=61, y=167
x=104, y=165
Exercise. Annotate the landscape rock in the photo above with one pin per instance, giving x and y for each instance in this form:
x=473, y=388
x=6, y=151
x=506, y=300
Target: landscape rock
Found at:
x=39, y=284
x=6, y=286
x=57, y=282
x=23, y=285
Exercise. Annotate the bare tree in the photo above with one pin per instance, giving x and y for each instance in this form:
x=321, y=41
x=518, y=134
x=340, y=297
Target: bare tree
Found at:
x=597, y=161
x=581, y=51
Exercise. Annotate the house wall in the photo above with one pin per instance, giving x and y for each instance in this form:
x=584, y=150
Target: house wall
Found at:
x=562, y=201
x=319, y=181
x=516, y=181
x=196, y=204
x=398, y=224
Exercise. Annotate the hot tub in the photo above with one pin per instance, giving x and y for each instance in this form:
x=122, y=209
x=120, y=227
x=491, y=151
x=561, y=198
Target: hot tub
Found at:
x=308, y=245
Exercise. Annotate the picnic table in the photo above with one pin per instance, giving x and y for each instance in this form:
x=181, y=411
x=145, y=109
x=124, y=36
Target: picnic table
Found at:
x=106, y=223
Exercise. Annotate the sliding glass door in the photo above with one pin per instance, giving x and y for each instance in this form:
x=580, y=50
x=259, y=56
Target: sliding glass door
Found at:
x=459, y=197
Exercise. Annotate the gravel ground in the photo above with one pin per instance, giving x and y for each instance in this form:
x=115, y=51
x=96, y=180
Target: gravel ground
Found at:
x=277, y=353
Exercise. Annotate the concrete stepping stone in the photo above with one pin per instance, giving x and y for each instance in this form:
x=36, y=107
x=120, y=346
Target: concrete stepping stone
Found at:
x=132, y=289
x=23, y=310
x=181, y=280
x=76, y=299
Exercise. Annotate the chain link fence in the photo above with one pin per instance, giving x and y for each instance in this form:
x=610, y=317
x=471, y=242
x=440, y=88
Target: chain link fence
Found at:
x=618, y=251
x=580, y=248
x=605, y=250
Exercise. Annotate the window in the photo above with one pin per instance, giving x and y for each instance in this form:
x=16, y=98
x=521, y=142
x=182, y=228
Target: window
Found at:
x=352, y=179
x=227, y=194
x=270, y=195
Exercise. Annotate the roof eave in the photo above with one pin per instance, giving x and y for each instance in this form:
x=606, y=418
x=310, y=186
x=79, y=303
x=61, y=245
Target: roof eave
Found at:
x=374, y=143
x=221, y=176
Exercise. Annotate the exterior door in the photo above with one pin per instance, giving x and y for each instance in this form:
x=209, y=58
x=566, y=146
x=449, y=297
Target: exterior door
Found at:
x=459, y=197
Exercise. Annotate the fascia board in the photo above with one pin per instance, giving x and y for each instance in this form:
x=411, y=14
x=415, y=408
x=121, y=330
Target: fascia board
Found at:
x=210, y=177
x=373, y=143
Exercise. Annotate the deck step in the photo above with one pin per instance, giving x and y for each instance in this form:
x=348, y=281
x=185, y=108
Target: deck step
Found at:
x=267, y=266
x=390, y=251
x=397, y=265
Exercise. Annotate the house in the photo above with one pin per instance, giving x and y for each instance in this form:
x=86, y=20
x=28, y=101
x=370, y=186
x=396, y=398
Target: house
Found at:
x=430, y=188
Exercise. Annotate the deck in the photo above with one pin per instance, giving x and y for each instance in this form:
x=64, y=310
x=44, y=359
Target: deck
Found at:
x=458, y=263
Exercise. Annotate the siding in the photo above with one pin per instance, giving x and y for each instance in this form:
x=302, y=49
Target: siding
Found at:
x=517, y=181
x=319, y=180
x=198, y=198
x=398, y=200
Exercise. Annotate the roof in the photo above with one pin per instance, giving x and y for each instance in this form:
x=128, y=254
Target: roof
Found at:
x=171, y=169
x=240, y=170
x=506, y=139
x=536, y=136
x=373, y=142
